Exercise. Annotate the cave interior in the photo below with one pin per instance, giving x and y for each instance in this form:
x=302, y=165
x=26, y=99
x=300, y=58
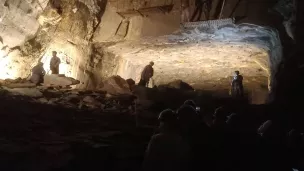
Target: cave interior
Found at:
x=93, y=115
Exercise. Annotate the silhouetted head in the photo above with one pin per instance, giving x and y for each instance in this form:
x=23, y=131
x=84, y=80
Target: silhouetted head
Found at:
x=54, y=53
x=187, y=116
x=190, y=103
x=234, y=121
x=237, y=72
x=167, y=119
x=294, y=138
x=270, y=131
x=220, y=116
x=151, y=63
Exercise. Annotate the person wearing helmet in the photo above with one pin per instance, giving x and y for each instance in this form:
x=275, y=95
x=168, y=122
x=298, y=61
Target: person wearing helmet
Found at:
x=237, y=85
x=38, y=73
x=146, y=75
x=166, y=150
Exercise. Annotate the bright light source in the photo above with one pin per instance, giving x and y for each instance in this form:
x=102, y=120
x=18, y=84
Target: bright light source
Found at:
x=6, y=67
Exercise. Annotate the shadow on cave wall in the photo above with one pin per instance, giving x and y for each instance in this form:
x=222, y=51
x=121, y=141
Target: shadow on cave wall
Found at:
x=102, y=5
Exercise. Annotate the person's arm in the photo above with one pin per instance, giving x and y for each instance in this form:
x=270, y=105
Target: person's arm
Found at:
x=43, y=72
x=58, y=61
x=152, y=72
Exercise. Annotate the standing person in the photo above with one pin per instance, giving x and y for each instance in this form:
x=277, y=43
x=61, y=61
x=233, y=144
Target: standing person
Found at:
x=237, y=85
x=54, y=64
x=146, y=74
x=38, y=73
x=185, y=16
x=167, y=151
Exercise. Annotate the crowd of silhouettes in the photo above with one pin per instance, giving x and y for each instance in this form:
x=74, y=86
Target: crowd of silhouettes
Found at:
x=231, y=141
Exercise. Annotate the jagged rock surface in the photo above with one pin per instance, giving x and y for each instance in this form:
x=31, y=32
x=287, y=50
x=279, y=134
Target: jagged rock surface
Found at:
x=115, y=85
x=24, y=13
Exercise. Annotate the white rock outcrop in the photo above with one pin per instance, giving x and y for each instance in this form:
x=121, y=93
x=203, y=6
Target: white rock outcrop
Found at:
x=18, y=21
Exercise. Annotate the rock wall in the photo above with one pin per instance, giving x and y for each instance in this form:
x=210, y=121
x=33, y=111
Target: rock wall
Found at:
x=72, y=28
x=18, y=20
x=18, y=25
x=80, y=30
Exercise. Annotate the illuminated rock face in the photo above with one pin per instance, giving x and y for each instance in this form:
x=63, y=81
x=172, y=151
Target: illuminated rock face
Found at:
x=206, y=60
x=18, y=24
x=31, y=29
x=80, y=31
x=18, y=20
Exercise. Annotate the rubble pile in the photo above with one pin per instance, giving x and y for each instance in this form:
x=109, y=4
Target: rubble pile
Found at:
x=57, y=137
x=178, y=84
x=114, y=95
x=116, y=85
x=53, y=80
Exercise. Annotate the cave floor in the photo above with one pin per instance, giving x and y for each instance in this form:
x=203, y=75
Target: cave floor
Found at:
x=39, y=136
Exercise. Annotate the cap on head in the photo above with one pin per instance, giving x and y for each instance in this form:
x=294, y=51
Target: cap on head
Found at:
x=186, y=112
x=151, y=63
x=233, y=119
x=190, y=103
x=221, y=113
x=167, y=115
x=237, y=72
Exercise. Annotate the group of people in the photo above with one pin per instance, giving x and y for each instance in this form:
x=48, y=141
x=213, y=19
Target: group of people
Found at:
x=38, y=71
x=230, y=142
x=237, y=90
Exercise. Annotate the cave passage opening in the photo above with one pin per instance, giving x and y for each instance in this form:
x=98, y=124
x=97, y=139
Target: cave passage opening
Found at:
x=206, y=57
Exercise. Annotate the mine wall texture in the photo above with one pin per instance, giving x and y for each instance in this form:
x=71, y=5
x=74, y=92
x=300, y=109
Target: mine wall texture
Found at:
x=45, y=25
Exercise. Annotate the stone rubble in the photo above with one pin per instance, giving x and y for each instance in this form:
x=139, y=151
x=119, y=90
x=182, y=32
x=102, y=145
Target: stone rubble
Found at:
x=115, y=95
x=115, y=85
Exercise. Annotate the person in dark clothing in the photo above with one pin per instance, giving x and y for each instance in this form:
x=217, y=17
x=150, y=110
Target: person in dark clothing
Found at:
x=220, y=117
x=273, y=153
x=196, y=133
x=38, y=73
x=146, y=75
x=219, y=138
x=237, y=90
x=166, y=150
x=295, y=148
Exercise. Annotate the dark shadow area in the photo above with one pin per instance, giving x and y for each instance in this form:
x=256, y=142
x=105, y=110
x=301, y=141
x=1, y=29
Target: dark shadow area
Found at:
x=102, y=4
x=56, y=4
